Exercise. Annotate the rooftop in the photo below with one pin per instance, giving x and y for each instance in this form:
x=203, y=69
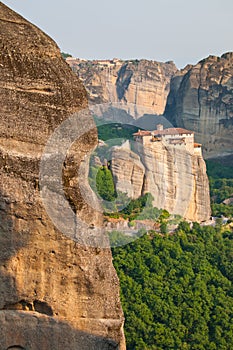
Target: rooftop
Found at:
x=169, y=131
x=142, y=133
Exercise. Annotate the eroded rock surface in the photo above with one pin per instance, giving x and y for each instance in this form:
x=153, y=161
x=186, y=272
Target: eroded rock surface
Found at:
x=54, y=292
x=201, y=99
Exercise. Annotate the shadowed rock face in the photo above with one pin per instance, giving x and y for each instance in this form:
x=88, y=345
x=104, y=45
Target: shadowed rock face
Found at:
x=49, y=284
x=42, y=332
x=201, y=99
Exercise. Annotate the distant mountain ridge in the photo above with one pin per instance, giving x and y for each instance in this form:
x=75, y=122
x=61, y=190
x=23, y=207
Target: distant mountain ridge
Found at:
x=198, y=97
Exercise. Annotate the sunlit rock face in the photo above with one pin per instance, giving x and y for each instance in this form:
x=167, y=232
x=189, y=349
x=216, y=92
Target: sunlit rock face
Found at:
x=54, y=292
x=201, y=99
x=138, y=86
x=175, y=177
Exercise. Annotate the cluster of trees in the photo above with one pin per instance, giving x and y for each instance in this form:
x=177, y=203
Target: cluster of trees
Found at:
x=135, y=208
x=177, y=290
x=220, y=168
x=221, y=187
x=115, y=131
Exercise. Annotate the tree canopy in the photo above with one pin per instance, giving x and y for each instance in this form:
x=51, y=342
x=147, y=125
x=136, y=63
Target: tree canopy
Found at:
x=177, y=290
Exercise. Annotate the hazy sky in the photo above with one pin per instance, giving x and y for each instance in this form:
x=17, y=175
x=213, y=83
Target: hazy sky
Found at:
x=184, y=31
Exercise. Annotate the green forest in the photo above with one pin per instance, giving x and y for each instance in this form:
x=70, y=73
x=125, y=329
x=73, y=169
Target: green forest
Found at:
x=176, y=290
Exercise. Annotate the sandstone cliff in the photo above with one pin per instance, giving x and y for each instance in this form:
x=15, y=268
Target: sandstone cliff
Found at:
x=139, y=86
x=54, y=292
x=176, y=178
x=201, y=99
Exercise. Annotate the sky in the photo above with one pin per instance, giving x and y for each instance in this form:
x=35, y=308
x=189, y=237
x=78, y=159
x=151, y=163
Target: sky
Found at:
x=184, y=31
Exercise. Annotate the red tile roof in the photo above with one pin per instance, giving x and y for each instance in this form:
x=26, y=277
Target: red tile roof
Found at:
x=142, y=133
x=169, y=131
x=172, y=131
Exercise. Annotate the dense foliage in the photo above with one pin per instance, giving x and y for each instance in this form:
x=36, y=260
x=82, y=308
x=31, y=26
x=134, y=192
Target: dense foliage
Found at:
x=177, y=290
x=134, y=208
x=221, y=167
x=116, y=130
x=220, y=173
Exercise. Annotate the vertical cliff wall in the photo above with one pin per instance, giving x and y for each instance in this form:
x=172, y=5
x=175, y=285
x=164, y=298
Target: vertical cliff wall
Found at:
x=201, y=99
x=140, y=86
x=176, y=178
x=54, y=292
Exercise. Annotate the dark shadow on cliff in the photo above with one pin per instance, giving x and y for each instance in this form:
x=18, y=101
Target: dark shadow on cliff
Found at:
x=145, y=121
x=32, y=331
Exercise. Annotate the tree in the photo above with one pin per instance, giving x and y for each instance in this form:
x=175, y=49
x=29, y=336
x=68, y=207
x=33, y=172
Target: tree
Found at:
x=184, y=226
x=105, y=184
x=65, y=55
x=163, y=227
